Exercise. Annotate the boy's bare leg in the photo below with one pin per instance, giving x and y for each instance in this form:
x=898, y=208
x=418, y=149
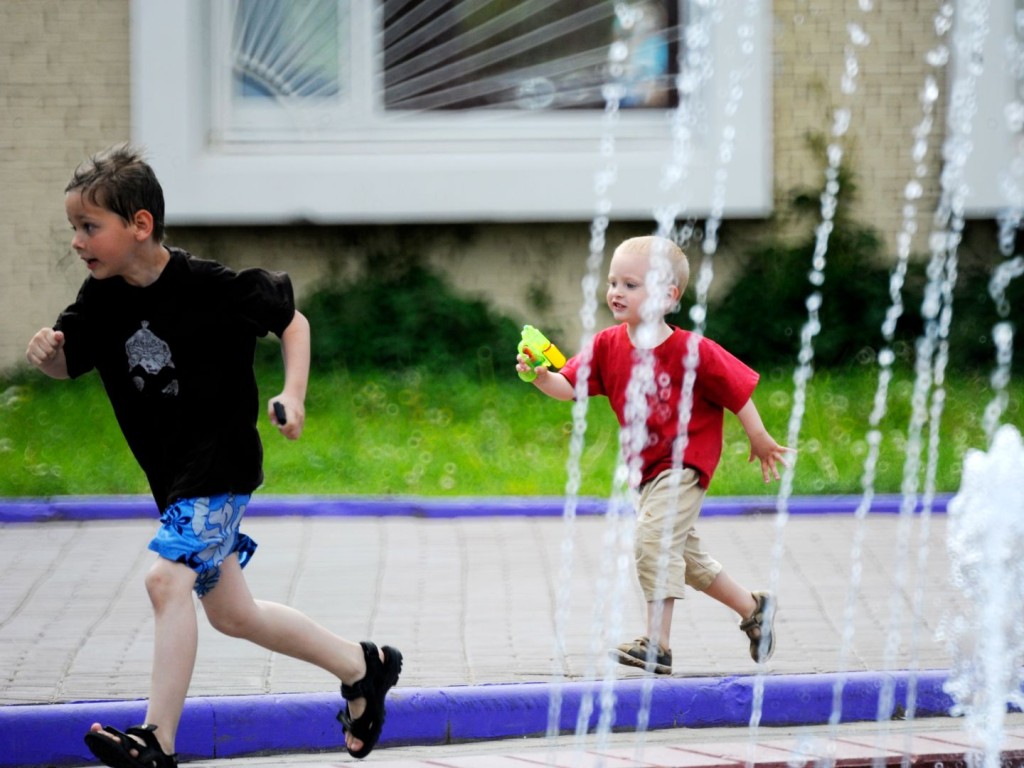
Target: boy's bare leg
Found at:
x=728, y=592
x=174, y=647
x=232, y=610
x=659, y=621
x=174, y=652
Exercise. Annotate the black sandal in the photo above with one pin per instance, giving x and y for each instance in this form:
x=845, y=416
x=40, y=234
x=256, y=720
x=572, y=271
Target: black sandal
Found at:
x=379, y=677
x=117, y=754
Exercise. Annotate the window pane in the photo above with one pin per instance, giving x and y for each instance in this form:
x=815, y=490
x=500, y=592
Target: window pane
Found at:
x=528, y=54
x=228, y=159
x=1017, y=54
x=286, y=49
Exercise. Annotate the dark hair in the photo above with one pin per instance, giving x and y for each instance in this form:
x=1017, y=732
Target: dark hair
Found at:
x=119, y=180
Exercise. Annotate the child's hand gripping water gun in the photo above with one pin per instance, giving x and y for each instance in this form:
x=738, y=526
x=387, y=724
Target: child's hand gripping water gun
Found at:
x=538, y=351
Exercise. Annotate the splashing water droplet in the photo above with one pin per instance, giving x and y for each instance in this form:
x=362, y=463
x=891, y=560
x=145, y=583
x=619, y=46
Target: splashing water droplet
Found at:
x=938, y=56
x=1002, y=334
x=1014, y=113
x=535, y=93
x=857, y=35
x=613, y=92
x=984, y=535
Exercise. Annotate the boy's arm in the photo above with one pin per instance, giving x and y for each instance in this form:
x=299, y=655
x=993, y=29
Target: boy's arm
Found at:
x=295, y=354
x=46, y=352
x=549, y=382
x=762, y=445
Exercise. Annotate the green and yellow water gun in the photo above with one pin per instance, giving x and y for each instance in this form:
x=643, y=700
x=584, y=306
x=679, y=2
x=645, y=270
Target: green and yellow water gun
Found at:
x=538, y=351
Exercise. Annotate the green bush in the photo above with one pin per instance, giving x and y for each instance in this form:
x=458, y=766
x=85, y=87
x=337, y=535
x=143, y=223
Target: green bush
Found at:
x=974, y=312
x=761, y=317
x=398, y=315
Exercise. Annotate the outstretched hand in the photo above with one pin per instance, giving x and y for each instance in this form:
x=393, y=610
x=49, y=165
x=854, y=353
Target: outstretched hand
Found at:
x=765, y=450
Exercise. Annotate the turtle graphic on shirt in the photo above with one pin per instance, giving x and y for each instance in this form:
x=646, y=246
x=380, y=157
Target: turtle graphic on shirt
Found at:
x=149, y=352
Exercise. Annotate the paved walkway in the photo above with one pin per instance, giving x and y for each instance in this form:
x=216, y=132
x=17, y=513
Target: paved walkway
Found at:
x=933, y=743
x=473, y=603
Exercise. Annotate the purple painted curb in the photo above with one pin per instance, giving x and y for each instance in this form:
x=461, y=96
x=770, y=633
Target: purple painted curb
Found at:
x=233, y=726
x=78, y=508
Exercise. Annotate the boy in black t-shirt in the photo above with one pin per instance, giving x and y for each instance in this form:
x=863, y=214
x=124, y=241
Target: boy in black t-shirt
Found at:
x=172, y=338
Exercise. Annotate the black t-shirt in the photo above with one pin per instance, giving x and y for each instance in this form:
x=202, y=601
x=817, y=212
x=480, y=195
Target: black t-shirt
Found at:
x=176, y=358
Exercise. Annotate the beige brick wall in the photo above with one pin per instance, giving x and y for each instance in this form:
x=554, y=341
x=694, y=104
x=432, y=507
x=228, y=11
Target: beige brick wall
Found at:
x=809, y=44
x=64, y=93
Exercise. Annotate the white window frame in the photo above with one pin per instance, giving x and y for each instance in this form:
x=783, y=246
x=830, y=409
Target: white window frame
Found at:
x=427, y=168
x=995, y=152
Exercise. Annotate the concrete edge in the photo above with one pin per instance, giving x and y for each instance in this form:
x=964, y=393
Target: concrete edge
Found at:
x=37, y=735
x=82, y=508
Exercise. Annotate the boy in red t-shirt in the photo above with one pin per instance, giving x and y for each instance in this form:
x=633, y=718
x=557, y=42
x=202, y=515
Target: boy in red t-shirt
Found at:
x=646, y=279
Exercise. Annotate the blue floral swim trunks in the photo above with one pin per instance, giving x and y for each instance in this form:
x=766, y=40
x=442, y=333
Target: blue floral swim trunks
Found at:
x=202, y=533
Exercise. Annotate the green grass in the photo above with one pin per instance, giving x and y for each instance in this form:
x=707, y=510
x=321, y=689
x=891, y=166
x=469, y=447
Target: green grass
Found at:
x=419, y=434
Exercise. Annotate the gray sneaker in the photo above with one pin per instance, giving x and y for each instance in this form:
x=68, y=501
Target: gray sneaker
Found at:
x=760, y=627
x=634, y=654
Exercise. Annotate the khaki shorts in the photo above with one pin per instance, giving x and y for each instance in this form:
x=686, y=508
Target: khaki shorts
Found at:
x=674, y=494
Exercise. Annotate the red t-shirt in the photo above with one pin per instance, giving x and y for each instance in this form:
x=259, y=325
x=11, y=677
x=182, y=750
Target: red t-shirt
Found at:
x=722, y=382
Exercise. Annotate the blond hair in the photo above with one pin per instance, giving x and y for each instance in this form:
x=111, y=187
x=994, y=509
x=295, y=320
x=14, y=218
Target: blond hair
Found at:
x=654, y=246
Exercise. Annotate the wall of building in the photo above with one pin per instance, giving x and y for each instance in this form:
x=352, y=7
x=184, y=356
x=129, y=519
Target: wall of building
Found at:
x=65, y=93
